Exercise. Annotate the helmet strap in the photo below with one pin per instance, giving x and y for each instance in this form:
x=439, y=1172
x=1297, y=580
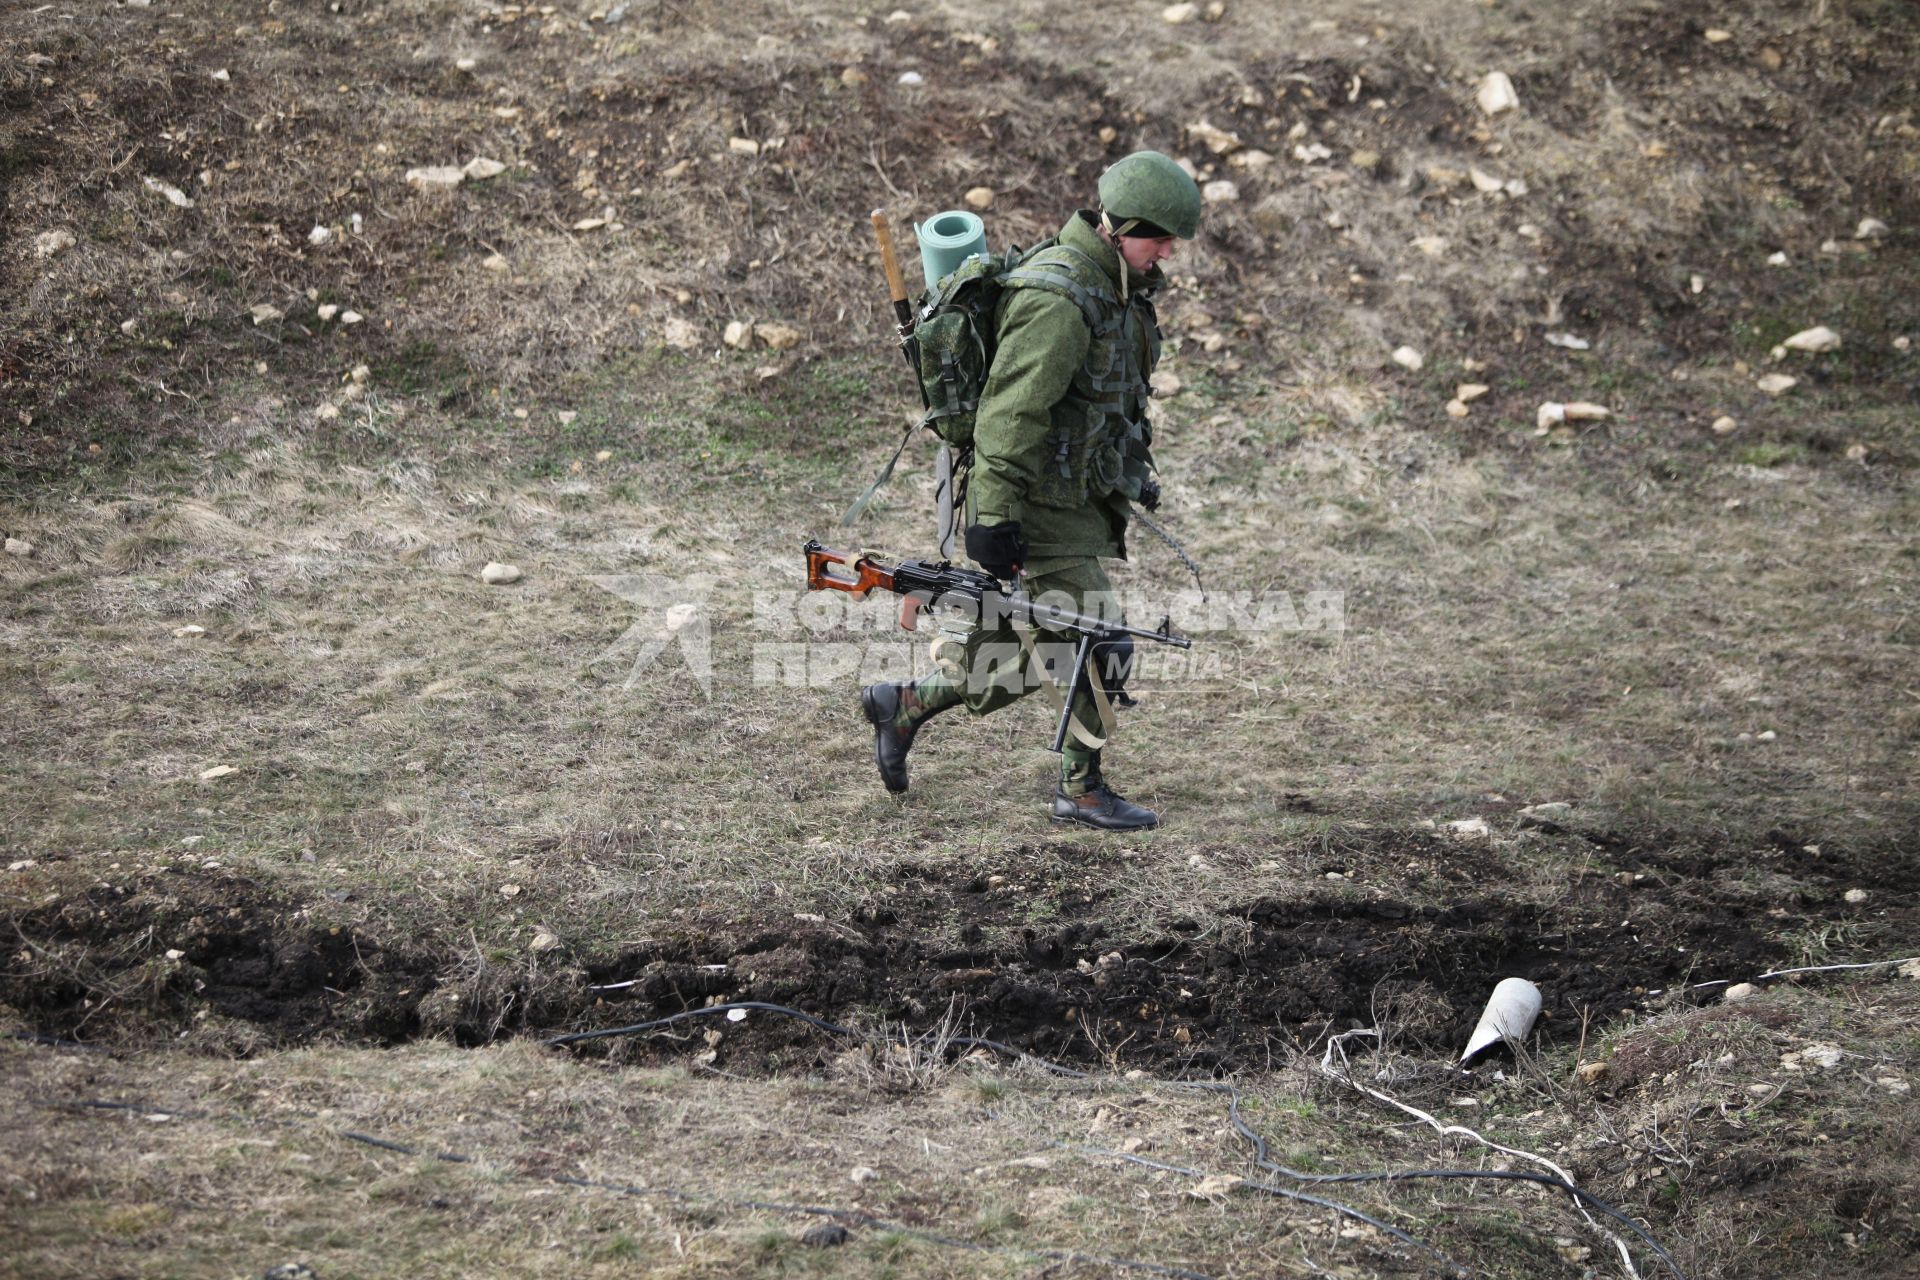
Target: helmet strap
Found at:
x=1113, y=236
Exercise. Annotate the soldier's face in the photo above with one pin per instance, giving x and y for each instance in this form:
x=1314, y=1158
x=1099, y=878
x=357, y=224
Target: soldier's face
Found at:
x=1142, y=252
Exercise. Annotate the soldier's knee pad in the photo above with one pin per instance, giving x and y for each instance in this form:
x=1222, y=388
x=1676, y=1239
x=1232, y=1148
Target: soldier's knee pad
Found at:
x=1112, y=660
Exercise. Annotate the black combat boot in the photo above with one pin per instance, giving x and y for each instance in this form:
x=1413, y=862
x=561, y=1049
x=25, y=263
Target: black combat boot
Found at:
x=896, y=712
x=1100, y=807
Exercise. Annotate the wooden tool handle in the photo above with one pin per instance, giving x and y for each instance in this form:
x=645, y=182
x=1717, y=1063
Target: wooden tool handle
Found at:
x=896, y=283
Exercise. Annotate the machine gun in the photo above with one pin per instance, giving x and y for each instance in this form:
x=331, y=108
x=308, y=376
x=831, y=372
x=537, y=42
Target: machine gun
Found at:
x=942, y=585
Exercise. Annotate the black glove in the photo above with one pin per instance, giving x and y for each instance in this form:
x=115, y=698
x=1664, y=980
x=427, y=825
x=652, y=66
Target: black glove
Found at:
x=997, y=548
x=1150, y=495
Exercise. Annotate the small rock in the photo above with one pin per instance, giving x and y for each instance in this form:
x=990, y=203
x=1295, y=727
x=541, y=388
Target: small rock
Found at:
x=1775, y=384
x=265, y=313
x=603, y=455
x=1818, y=338
x=1217, y=140
x=1220, y=191
x=739, y=334
x=436, y=177
x=1468, y=392
x=480, y=168
x=1496, y=94
x=1107, y=134
x=496, y=574
x=590, y=224
x=1457, y=409
x=544, y=939
x=326, y=311
x=175, y=196
x=1365, y=161
x=853, y=77
x=51, y=243
x=1856, y=452
x=1337, y=220
x=189, y=632
x=1724, y=425
x=1253, y=161
x=1217, y=1186
x=222, y=75
x=1167, y=385
x=1550, y=814
x=912, y=78
x=218, y=771
x=1583, y=411
x=1485, y=183
x=1894, y=1085
x=1697, y=284
x=1740, y=993
x=780, y=337
x=509, y=890
x=326, y=412
x=979, y=197
x=174, y=953
x=1765, y=735
x=743, y=146
x=1910, y=969
x=825, y=1235
x=19, y=547
x=1176, y=14
x=494, y=262
x=1903, y=343
x=319, y=235
x=1408, y=358
x=465, y=64
x=1855, y=897
x=862, y=1174
x=1871, y=229
x=351, y=317
x=680, y=333
x=1592, y=1072
x=1777, y=258
x=1568, y=342
x=1718, y=35
x=1475, y=828
x=1432, y=246
x=1549, y=415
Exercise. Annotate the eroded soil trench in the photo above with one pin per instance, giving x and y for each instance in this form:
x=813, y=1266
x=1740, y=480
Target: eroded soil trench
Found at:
x=1221, y=992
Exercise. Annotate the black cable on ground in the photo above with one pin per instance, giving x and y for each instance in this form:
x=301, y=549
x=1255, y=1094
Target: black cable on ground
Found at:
x=852, y=1217
x=1262, y=1152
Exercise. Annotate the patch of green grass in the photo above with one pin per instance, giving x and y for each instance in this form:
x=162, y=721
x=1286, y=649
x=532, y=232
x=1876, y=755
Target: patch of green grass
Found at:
x=1770, y=454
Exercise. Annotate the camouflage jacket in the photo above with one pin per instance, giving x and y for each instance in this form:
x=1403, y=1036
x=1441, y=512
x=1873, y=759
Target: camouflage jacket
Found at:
x=1061, y=441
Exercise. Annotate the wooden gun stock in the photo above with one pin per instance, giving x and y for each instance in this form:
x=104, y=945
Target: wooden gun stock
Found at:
x=863, y=574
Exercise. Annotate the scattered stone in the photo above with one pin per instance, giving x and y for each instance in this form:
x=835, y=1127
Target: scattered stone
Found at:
x=465, y=64
x=1591, y=1073
x=1253, y=161
x=351, y=317
x=1432, y=246
x=1725, y=426
x=743, y=146
x=222, y=75
x=494, y=262
x=1855, y=897
x=824, y=1235
x=1496, y=94
x=1176, y=14
x=265, y=313
x=1312, y=152
x=319, y=235
x=853, y=77
x=24, y=864
x=979, y=197
x=768, y=372
x=1220, y=191
x=1517, y=187
x=912, y=78
x=1550, y=814
x=1840, y=247
x=603, y=455
x=496, y=574
x=1337, y=220
x=1856, y=452
x=509, y=890
x=1697, y=284
x=1718, y=35
x=1818, y=338
x=780, y=337
x=544, y=939
x=1549, y=415
x=1909, y=969
x=436, y=177
x=1408, y=358
x=480, y=168
x=1820, y=1054
x=1473, y=828
x=326, y=412
x=189, y=632
x=218, y=771
x=1166, y=385
x=1457, y=409
x=862, y=1174
x=1777, y=384
x=1217, y=140
x=1894, y=1085
x=175, y=196
x=589, y=224
x=1584, y=411
x=1568, y=342
x=738, y=335
x=1765, y=735
x=326, y=311
x=19, y=547
x=1871, y=229
x=1468, y=392
x=1219, y=1184
x=1740, y=993
x=680, y=333
x=1903, y=343
x=1771, y=58
x=49, y=244
x=1365, y=161
x=1485, y=183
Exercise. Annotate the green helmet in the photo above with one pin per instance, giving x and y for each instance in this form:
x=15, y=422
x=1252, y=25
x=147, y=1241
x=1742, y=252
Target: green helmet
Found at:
x=1148, y=187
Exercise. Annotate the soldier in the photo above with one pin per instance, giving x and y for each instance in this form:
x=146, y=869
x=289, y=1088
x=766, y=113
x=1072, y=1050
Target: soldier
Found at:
x=1061, y=448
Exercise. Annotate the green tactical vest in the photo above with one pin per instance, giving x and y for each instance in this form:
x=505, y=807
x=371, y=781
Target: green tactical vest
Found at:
x=1100, y=436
